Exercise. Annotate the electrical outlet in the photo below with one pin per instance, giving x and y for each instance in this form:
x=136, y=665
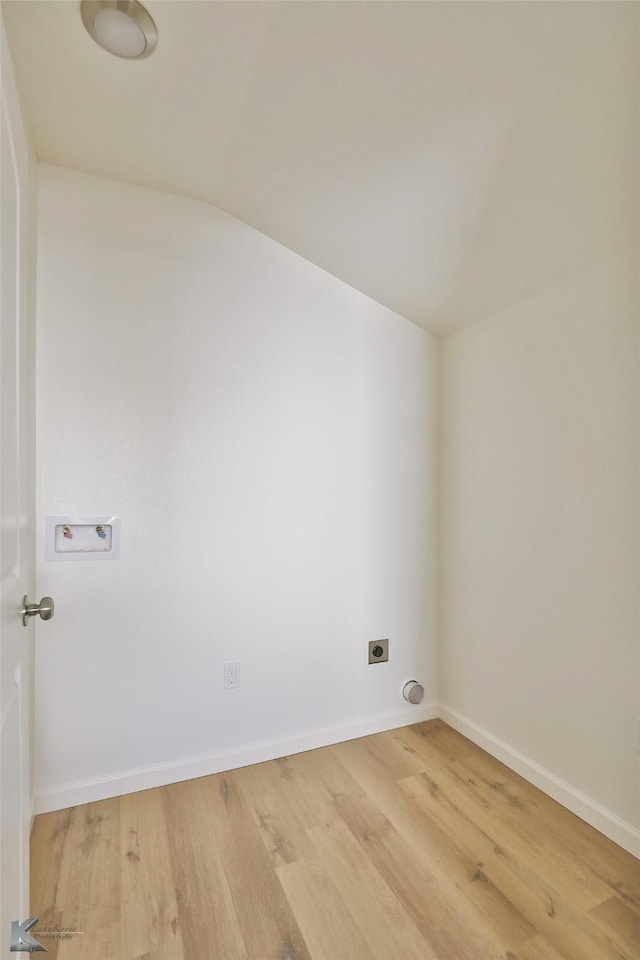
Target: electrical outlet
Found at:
x=638, y=734
x=231, y=675
x=378, y=651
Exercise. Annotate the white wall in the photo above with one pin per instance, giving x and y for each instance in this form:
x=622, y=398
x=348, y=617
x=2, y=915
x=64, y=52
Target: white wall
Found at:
x=267, y=435
x=540, y=538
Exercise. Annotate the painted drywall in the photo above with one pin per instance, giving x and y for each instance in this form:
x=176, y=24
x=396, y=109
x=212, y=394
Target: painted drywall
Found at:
x=267, y=436
x=540, y=534
x=387, y=142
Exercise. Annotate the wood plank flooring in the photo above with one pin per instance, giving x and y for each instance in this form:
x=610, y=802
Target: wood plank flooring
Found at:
x=407, y=845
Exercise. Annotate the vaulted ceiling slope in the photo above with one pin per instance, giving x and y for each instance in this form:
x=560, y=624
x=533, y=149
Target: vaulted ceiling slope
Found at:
x=447, y=159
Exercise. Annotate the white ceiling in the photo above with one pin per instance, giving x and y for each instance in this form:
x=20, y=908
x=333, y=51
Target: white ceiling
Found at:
x=447, y=159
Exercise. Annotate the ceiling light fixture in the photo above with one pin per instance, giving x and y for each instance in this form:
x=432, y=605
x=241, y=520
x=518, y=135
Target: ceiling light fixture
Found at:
x=123, y=27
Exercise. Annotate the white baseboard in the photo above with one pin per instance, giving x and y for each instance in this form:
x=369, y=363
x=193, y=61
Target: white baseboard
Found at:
x=143, y=778
x=612, y=826
x=71, y=794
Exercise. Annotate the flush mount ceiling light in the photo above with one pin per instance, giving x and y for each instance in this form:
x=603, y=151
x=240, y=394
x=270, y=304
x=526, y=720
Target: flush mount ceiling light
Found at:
x=122, y=27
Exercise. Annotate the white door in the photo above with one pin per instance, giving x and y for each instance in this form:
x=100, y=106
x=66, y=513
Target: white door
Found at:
x=16, y=507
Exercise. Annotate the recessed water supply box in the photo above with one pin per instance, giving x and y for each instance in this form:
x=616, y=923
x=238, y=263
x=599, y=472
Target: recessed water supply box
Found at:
x=82, y=538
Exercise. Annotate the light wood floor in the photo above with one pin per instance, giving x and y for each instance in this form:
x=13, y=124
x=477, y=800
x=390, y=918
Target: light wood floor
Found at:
x=407, y=845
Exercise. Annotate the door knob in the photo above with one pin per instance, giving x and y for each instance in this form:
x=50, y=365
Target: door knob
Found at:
x=45, y=609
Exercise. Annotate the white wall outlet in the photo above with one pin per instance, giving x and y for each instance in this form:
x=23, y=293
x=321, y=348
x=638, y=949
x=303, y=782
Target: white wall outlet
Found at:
x=638, y=734
x=231, y=675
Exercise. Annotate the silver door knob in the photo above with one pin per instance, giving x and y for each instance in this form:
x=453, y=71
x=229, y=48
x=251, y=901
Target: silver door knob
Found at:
x=45, y=609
